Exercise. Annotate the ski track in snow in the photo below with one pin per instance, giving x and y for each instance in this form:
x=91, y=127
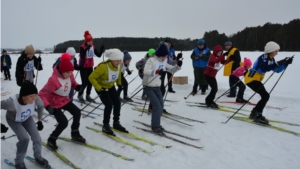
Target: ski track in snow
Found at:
x=233, y=145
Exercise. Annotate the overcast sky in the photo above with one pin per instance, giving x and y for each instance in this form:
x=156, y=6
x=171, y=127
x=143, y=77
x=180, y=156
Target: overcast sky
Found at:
x=45, y=23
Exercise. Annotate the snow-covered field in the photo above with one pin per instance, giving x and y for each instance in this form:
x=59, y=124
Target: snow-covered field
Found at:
x=234, y=145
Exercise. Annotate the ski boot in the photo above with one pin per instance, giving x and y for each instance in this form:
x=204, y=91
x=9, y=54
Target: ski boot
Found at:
x=213, y=105
x=150, y=108
x=89, y=99
x=52, y=143
x=158, y=130
x=203, y=93
x=231, y=96
x=42, y=162
x=106, y=129
x=171, y=91
x=261, y=119
x=253, y=114
x=127, y=99
x=193, y=93
x=20, y=166
x=77, y=137
x=241, y=100
x=118, y=126
x=80, y=99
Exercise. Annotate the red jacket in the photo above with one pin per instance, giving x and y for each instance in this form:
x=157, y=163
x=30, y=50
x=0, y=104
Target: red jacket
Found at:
x=47, y=93
x=214, y=61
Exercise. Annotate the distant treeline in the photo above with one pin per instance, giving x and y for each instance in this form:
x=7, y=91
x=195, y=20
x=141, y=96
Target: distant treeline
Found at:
x=249, y=39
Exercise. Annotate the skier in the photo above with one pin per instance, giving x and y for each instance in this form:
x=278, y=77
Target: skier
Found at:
x=210, y=73
x=71, y=51
x=86, y=63
x=171, y=60
x=20, y=108
x=233, y=60
x=5, y=64
x=26, y=65
x=55, y=95
x=264, y=63
x=200, y=58
x=235, y=80
x=125, y=67
x=152, y=82
x=141, y=64
x=103, y=78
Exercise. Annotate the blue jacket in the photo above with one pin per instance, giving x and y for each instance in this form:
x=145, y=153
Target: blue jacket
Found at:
x=7, y=60
x=201, y=62
x=171, y=60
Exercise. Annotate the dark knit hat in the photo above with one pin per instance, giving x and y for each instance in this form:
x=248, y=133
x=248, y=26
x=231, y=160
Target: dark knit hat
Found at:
x=162, y=51
x=127, y=56
x=27, y=89
x=228, y=43
x=4, y=51
x=65, y=64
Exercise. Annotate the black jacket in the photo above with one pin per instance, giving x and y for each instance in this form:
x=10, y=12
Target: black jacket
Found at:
x=21, y=63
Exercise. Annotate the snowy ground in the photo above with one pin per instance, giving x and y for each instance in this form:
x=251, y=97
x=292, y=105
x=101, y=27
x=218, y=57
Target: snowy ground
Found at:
x=233, y=145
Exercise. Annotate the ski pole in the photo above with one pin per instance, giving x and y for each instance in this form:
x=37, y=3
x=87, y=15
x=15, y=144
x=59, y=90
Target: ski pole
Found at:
x=140, y=90
x=256, y=92
x=37, y=72
x=144, y=106
x=229, y=89
x=191, y=94
x=91, y=111
x=137, y=88
x=4, y=138
x=133, y=80
x=168, y=86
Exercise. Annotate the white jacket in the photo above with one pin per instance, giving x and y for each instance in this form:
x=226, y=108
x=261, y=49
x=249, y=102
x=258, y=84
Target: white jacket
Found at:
x=155, y=63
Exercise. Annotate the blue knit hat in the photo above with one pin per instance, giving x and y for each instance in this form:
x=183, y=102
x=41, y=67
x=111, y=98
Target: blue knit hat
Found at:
x=127, y=56
x=3, y=51
x=162, y=51
x=201, y=42
x=228, y=43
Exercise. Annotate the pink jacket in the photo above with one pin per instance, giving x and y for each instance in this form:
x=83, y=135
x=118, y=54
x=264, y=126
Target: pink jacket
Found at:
x=239, y=71
x=47, y=93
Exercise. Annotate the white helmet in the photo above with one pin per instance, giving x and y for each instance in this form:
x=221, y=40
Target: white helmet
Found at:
x=71, y=51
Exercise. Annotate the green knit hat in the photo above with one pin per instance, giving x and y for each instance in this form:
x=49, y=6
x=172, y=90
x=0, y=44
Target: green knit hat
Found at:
x=151, y=52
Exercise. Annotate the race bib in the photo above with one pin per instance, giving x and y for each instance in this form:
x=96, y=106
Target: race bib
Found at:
x=29, y=66
x=90, y=53
x=217, y=66
x=112, y=75
x=65, y=88
x=23, y=112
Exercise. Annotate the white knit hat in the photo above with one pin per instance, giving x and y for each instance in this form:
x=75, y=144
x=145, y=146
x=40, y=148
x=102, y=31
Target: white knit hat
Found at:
x=114, y=54
x=71, y=51
x=271, y=47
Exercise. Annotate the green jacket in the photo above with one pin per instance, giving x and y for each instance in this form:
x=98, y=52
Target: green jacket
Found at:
x=99, y=76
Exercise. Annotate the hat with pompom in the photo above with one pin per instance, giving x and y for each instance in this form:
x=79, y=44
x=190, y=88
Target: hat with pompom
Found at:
x=247, y=62
x=71, y=51
x=114, y=54
x=87, y=36
x=65, y=64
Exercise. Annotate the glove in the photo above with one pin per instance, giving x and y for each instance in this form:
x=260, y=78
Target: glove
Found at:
x=50, y=109
x=3, y=128
x=129, y=72
x=120, y=87
x=289, y=61
x=40, y=125
x=102, y=48
x=141, y=71
x=179, y=56
x=88, y=47
x=159, y=72
x=179, y=63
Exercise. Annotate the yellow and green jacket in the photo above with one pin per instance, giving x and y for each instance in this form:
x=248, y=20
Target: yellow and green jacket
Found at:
x=99, y=76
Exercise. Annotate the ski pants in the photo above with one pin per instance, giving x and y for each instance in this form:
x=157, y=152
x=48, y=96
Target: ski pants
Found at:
x=163, y=75
x=259, y=88
x=21, y=129
x=84, y=74
x=124, y=85
x=212, y=82
x=6, y=72
x=155, y=96
x=238, y=83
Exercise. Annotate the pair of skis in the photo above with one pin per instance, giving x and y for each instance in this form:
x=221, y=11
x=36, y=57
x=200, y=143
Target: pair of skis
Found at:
x=11, y=164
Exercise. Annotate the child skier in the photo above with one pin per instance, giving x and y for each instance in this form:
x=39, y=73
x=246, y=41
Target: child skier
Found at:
x=55, y=95
x=210, y=73
x=20, y=108
x=200, y=58
x=26, y=65
x=255, y=75
x=235, y=80
x=86, y=64
x=5, y=64
x=103, y=78
x=125, y=67
x=152, y=82
x=141, y=64
x=71, y=51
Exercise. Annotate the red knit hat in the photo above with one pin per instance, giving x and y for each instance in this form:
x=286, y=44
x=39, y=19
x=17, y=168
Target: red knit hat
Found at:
x=87, y=36
x=65, y=64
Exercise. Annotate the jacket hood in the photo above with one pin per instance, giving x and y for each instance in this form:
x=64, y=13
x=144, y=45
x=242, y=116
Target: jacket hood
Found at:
x=216, y=49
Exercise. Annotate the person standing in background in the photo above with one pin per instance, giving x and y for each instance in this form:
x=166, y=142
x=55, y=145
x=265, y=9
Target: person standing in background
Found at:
x=5, y=64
